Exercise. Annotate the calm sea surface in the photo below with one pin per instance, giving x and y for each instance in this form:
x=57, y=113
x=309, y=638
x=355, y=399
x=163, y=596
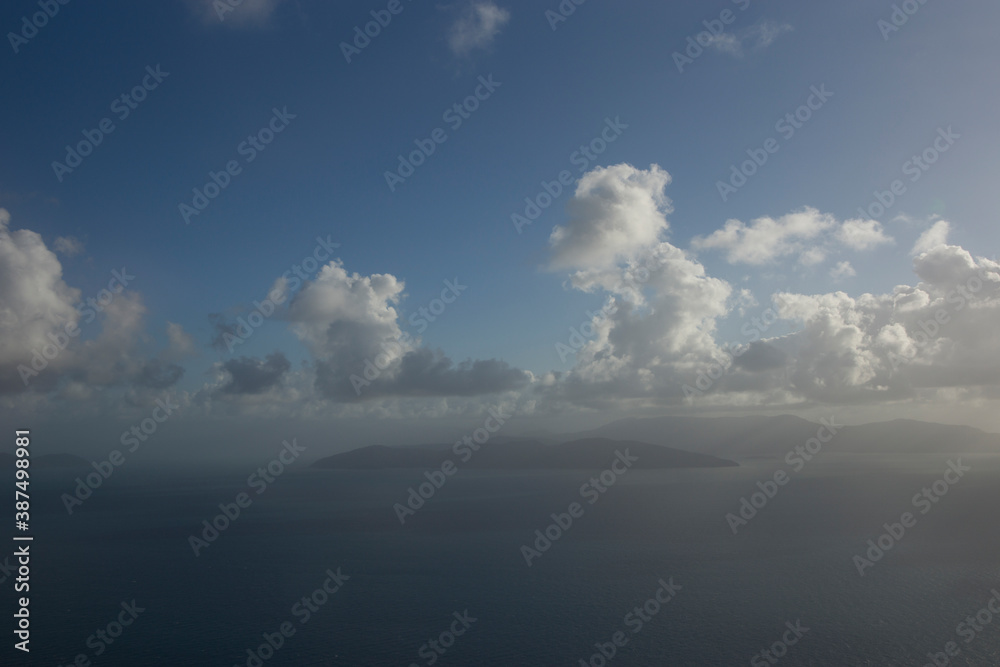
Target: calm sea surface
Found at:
x=461, y=552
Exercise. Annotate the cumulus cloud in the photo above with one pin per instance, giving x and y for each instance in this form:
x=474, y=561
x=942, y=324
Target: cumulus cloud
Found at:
x=755, y=38
x=928, y=340
x=932, y=341
x=662, y=306
x=424, y=373
x=766, y=239
x=46, y=345
x=862, y=234
x=351, y=326
x=759, y=357
x=934, y=237
x=36, y=305
x=807, y=234
x=477, y=27
x=615, y=212
x=346, y=318
x=248, y=375
x=939, y=333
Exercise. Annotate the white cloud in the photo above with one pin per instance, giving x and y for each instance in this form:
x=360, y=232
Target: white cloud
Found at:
x=664, y=307
x=43, y=345
x=807, y=234
x=936, y=236
x=615, y=212
x=812, y=257
x=727, y=42
x=765, y=32
x=862, y=234
x=35, y=303
x=767, y=239
x=931, y=341
x=350, y=324
x=477, y=27
x=340, y=315
x=937, y=334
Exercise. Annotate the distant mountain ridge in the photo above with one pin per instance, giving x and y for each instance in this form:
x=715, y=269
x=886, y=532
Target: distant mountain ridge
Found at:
x=585, y=453
x=772, y=436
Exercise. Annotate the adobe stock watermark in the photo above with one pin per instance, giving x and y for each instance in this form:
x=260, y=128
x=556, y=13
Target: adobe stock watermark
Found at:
x=31, y=25
x=464, y=449
x=381, y=18
x=753, y=331
x=634, y=620
x=899, y=17
x=779, y=649
x=293, y=277
x=578, y=335
x=924, y=501
x=797, y=457
x=582, y=158
x=132, y=439
x=562, y=12
x=969, y=629
x=697, y=43
x=122, y=106
x=392, y=349
x=223, y=7
x=638, y=276
x=303, y=611
x=915, y=168
x=786, y=126
x=455, y=116
x=932, y=328
x=591, y=490
x=258, y=481
x=7, y=570
x=249, y=149
x=433, y=649
x=59, y=341
x=105, y=637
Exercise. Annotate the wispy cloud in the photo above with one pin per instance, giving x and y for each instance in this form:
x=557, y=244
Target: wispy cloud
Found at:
x=246, y=14
x=68, y=245
x=477, y=27
x=843, y=270
x=755, y=38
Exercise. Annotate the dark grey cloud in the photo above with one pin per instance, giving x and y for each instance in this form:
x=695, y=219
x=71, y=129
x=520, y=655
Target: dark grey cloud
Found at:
x=422, y=373
x=760, y=357
x=249, y=375
x=157, y=374
x=220, y=327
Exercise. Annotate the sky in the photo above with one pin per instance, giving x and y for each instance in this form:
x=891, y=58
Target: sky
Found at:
x=376, y=221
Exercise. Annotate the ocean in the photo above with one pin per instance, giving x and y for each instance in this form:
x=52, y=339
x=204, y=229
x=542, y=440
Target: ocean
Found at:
x=451, y=585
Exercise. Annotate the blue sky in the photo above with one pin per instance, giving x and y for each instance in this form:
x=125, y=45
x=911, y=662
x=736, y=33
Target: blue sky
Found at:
x=324, y=175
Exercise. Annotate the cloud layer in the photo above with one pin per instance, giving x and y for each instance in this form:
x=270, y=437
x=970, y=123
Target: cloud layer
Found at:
x=930, y=341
